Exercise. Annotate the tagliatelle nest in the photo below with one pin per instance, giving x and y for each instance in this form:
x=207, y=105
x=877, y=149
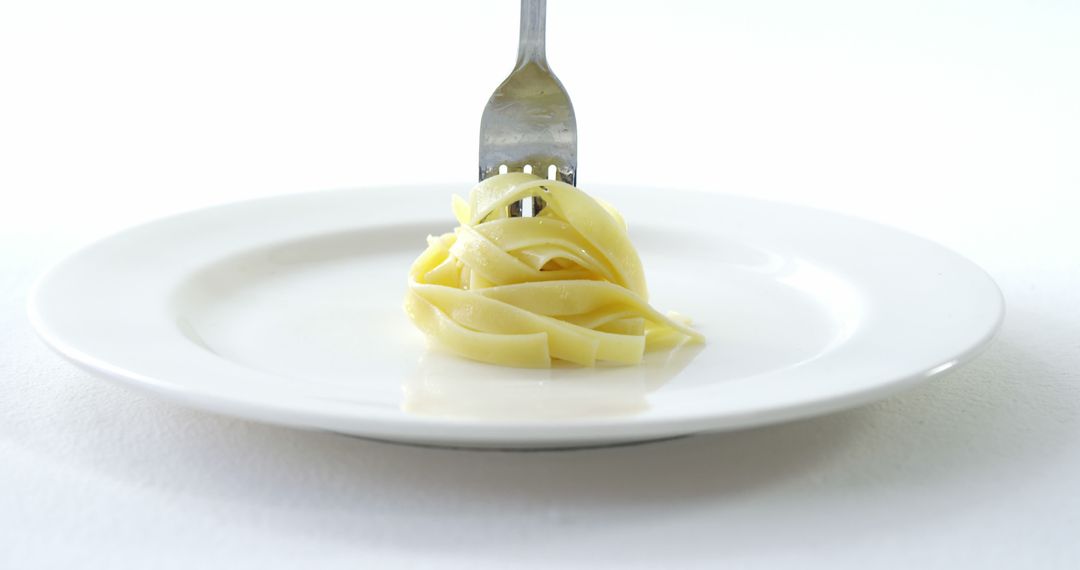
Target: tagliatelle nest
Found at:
x=566, y=284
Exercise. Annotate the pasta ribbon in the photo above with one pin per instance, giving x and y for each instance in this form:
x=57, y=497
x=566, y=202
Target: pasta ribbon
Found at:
x=566, y=284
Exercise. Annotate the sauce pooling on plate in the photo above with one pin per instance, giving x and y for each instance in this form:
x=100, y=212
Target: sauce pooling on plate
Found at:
x=565, y=284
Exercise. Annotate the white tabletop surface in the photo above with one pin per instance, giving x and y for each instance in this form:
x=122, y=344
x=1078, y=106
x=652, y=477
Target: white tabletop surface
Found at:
x=955, y=120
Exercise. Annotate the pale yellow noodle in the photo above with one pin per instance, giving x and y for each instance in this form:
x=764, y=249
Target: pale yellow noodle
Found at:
x=566, y=284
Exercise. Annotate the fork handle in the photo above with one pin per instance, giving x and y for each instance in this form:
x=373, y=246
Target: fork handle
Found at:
x=531, y=39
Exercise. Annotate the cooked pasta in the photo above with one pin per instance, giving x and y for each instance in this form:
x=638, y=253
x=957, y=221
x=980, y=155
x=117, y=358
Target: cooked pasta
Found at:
x=566, y=284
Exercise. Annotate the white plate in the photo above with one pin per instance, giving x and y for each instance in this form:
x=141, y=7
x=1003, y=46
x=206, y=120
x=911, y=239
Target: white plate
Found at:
x=288, y=310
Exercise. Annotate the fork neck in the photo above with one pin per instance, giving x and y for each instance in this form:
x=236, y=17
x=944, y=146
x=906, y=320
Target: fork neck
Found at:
x=531, y=39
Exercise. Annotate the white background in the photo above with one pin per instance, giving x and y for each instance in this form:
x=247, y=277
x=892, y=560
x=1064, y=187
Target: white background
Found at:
x=956, y=120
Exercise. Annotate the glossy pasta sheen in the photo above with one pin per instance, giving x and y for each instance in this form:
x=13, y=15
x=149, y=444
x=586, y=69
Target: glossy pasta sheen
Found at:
x=566, y=284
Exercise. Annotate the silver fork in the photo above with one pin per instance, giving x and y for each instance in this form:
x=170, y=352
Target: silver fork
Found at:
x=528, y=124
